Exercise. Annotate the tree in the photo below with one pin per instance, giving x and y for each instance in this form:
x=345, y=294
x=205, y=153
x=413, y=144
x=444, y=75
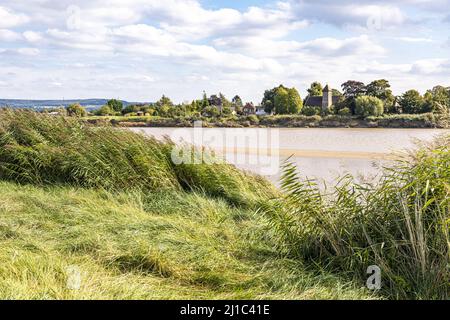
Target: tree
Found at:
x=115, y=105
x=268, y=102
x=236, y=102
x=368, y=106
x=411, y=102
x=437, y=99
x=352, y=88
x=315, y=89
x=164, y=110
x=295, y=104
x=205, y=102
x=226, y=111
x=105, y=111
x=381, y=90
x=164, y=101
x=287, y=101
x=281, y=100
x=211, y=111
x=76, y=110
x=130, y=109
x=225, y=102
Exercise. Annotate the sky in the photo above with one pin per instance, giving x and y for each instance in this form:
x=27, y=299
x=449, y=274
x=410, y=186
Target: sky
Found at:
x=138, y=50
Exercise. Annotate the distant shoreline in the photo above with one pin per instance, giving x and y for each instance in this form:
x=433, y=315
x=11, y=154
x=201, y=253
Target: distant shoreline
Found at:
x=421, y=121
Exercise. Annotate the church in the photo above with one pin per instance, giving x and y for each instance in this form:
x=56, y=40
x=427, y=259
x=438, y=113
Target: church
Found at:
x=325, y=101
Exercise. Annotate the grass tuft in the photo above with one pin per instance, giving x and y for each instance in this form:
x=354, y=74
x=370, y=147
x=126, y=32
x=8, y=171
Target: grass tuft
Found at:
x=400, y=224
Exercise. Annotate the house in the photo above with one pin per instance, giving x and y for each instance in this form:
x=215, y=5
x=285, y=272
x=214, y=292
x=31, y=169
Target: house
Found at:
x=140, y=113
x=324, y=101
x=248, y=109
x=260, y=111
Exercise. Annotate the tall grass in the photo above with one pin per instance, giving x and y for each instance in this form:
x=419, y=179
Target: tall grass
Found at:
x=135, y=245
x=45, y=150
x=400, y=224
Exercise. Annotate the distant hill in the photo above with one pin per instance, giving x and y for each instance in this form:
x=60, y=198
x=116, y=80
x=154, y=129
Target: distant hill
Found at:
x=42, y=104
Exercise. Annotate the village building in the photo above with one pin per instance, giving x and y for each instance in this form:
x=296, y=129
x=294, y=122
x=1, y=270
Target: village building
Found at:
x=260, y=111
x=325, y=101
x=248, y=109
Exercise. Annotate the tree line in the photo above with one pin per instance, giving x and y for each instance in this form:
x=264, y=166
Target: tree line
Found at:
x=355, y=98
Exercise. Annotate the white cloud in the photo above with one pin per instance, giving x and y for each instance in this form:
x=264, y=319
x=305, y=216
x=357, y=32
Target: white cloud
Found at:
x=413, y=39
x=21, y=51
x=8, y=35
x=350, y=14
x=139, y=49
x=28, y=51
x=431, y=67
x=361, y=45
x=32, y=36
x=10, y=19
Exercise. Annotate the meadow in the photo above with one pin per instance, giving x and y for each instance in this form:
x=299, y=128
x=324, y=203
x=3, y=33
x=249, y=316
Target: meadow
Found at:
x=111, y=204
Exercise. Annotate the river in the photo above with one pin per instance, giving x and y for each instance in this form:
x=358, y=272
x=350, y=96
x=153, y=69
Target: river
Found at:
x=319, y=153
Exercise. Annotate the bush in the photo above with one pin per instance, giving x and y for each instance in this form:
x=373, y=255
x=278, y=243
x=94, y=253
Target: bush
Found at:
x=104, y=111
x=310, y=111
x=368, y=106
x=344, y=112
x=400, y=224
x=253, y=119
x=76, y=110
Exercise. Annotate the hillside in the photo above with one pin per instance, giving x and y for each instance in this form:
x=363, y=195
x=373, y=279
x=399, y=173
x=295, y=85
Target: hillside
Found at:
x=39, y=104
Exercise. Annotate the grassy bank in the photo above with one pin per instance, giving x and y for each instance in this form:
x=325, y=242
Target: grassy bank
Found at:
x=112, y=204
x=401, y=224
x=427, y=120
x=174, y=245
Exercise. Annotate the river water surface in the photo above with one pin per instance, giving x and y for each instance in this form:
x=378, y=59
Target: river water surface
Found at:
x=322, y=153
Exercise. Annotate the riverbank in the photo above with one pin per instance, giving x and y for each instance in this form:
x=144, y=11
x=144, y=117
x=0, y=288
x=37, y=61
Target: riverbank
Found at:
x=97, y=212
x=427, y=120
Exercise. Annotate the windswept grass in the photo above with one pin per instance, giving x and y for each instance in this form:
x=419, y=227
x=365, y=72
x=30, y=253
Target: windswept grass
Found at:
x=44, y=150
x=400, y=224
x=170, y=245
x=111, y=204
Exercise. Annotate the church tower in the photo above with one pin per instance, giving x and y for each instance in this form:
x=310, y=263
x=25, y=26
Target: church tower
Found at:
x=327, y=98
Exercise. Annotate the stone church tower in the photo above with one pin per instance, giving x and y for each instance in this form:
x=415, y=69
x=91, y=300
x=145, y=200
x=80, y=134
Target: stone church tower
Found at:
x=327, y=99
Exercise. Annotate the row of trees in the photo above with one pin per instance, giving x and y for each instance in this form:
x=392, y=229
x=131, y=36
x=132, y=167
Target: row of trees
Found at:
x=164, y=107
x=356, y=98
x=411, y=102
